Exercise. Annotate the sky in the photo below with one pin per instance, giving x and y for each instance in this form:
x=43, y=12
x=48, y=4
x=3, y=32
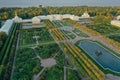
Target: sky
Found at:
x=26, y=3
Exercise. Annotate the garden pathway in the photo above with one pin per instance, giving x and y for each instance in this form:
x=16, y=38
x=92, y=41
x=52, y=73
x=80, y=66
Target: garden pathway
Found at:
x=36, y=77
x=71, y=63
x=13, y=67
x=37, y=55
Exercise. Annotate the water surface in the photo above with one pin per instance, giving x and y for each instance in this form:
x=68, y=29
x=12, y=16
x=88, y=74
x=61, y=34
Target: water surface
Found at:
x=106, y=59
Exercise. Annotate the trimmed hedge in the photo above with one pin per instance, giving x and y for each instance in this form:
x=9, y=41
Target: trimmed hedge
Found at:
x=4, y=55
x=6, y=44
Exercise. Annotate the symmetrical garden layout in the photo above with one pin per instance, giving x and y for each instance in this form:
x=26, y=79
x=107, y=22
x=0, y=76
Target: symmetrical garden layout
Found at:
x=50, y=53
x=39, y=57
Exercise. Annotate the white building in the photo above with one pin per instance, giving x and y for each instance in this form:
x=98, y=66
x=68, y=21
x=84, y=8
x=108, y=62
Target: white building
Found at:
x=17, y=19
x=118, y=17
x=27, y=20
x=50, y=17
x=115, y=23
x=76, y=18
x=42, y=17
x=54, y=17
x=57, y=17
x=7, y=26
x=35, y=20
x=66, y=16
x=85, y=15
x=73, y=17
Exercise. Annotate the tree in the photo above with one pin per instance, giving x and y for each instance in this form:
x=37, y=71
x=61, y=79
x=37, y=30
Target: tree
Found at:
x=3, y=36
x=1, y=44
x=0, y=23
x=36, y=69
x=5, y=15
x=100, y=19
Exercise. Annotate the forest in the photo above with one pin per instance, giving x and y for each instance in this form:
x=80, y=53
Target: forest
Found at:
x=29, y=12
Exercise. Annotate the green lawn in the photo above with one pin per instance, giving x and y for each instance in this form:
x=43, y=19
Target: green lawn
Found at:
x=47, y=50
x=28, y=34
x=72, y=75
x=55, y=72
x=68, y=33
x=26, y=64
x=79, y=33
x=64, y=23
x=116, y=37
x=107, y=30
x=57, y=23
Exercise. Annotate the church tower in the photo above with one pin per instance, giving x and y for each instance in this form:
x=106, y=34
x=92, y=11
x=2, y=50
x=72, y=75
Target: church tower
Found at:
x=16, y=18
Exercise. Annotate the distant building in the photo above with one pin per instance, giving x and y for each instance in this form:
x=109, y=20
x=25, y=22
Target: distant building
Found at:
x=42, y=17
x=27, y=20
x=66, y=16
x=76, y=18
x=115, y=23
x=54, y=17
x=7, y=26
x=73, y=17
x=85, y=15
x=118, y=17
x=35, y=20
x=50, y=17
x=17, y=19
x=58, y=17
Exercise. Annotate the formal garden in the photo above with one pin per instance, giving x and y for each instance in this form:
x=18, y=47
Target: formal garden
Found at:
x=79, y=33
x=79, y=61
x=70, y=31
x=40, y=57
x=32, y=36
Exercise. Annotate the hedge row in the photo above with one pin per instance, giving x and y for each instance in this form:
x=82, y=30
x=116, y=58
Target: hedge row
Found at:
x=4, y=55
x=6, y=44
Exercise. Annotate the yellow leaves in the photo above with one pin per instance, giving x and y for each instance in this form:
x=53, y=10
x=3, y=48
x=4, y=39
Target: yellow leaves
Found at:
x=5, y=15
x=65, y=49
x=91, y=32
x=93, y=71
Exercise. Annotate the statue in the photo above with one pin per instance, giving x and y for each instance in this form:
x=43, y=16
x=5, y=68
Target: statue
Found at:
x=98, y=53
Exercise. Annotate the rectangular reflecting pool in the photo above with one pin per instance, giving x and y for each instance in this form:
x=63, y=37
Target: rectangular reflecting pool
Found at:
x=101, y=55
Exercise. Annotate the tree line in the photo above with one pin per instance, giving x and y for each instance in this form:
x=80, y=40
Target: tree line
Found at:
x=29, y=12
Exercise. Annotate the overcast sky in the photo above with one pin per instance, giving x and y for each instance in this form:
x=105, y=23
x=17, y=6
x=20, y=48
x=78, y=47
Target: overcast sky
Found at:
x=25, y=3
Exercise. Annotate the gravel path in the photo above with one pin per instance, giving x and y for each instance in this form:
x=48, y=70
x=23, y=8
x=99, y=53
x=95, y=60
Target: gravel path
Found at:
x=48, y=62
x=13, y=67
x=36, y=77
x=112, y=77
